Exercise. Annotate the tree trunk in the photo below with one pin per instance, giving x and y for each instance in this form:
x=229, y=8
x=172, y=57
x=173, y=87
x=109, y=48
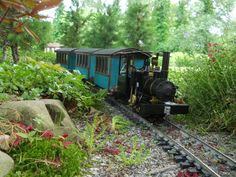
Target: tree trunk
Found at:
x=4, y=51
x=14, y=52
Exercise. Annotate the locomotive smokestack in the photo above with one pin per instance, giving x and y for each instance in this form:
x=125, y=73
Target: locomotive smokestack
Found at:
x=165, y=64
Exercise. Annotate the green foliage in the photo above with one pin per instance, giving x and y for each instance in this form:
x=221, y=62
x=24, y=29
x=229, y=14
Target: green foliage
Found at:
x=136, y=25
x=43, y=29
x=210, y=91
x=4, y=97
x=70, y=25
x=182, y=14
x=59, y=22
x=104, y=27
x=184, y=60
x=31, y=79
x=120, y=124
x=91, y=134
x=41, y=157
x=40, y=55
x=161, y=21
x=137, y=155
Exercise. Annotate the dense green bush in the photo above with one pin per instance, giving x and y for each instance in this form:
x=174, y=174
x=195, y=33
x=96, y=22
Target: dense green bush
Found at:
x=31, y=79
x=179, y=59
x=210, y=89
x=39, y=55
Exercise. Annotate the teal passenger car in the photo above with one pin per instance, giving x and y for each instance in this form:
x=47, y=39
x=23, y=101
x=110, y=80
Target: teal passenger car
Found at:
x=103, y=67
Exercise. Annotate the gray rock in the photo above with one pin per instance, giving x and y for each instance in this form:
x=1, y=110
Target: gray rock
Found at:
x=28, y=112
x=43, y=114
x=6, y=164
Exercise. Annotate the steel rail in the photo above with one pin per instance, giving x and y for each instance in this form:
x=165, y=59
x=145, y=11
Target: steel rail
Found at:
x=204, y=143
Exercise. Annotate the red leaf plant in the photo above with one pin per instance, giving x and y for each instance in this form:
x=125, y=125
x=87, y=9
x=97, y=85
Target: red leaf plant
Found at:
x=48, y=134
x=112, y=151
x=17, y=141
x=187, y=174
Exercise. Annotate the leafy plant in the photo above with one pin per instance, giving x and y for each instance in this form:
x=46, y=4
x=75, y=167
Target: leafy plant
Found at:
x=91, y=134
x=119, y=123
x=31, y=80
x=39, y=55
x=209, y=89
x=4, y=97
x=137, y=155
x=48, y=158
x=39, y=153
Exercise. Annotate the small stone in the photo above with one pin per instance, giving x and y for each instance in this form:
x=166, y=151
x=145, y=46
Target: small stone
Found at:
x=6, y=164
x=4, y=142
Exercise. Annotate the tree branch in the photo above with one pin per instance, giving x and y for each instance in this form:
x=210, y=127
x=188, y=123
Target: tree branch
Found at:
x=5, y=14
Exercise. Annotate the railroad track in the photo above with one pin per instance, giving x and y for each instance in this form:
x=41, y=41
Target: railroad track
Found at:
x=181, y=149
x=222, y=164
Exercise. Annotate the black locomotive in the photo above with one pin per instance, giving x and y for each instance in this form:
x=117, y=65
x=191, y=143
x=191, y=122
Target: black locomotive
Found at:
x=149, y=91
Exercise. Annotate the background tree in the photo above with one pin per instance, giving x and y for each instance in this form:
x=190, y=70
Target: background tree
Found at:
x=58, y=22
x=161, y=24
x=103, y=30
x=73, y=25
x=43, y=29
x=136, y=25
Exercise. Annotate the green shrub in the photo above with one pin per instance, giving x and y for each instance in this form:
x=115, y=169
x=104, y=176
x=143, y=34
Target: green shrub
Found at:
x=39, y=55
x=31, y=80
x=179, y=59
x=210, y=89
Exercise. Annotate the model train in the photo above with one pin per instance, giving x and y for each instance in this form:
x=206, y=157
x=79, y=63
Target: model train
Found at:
x=128, y=72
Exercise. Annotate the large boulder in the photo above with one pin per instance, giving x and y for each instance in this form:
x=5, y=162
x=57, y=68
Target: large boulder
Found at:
x=29, y=112
x=6, y=164
x=42, y=114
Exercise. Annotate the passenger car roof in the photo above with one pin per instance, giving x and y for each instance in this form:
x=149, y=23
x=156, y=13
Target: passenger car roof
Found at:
x=120, y=51
x=86, y=50
x=65, y=50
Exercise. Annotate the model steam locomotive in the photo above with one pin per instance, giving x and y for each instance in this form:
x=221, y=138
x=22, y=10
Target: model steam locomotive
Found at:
x=128, y=72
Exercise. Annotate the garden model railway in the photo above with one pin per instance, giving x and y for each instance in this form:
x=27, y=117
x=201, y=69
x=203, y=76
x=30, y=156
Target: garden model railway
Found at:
x=134, y=89
x=135, y=77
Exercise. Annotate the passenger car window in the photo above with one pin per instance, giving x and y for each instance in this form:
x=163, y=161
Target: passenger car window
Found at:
x=82, y=60
x=102, y=64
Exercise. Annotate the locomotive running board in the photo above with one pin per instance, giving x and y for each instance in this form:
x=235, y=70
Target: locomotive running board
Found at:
x=163, y=109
